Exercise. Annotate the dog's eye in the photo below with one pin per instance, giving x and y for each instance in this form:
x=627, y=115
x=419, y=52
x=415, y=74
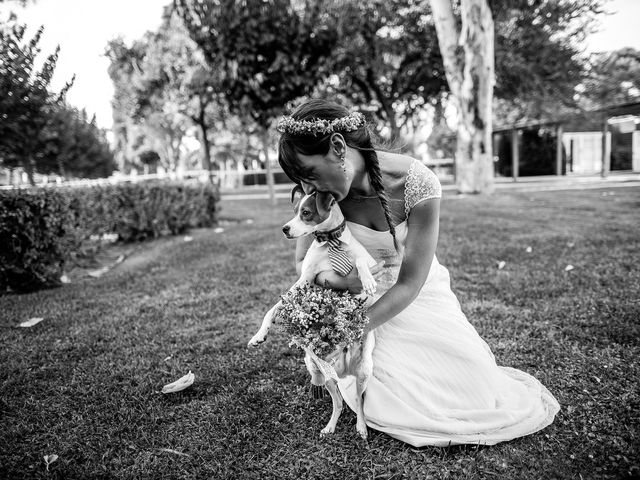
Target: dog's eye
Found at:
x=306, y=213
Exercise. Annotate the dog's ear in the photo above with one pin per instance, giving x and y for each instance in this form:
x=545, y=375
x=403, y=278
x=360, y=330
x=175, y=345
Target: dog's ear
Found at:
x=324, y=201
x=297, y=193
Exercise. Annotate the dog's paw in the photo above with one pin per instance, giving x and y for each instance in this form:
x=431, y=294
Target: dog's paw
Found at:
x=256, y=340
x=328, y=430
x=369, y=286
x=361, y=428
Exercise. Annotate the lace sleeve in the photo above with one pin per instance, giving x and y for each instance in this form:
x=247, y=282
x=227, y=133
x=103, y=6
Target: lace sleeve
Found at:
x=421, y=184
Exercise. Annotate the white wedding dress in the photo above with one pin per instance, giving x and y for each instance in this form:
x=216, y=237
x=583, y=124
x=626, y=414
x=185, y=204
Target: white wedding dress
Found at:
x=435, y=381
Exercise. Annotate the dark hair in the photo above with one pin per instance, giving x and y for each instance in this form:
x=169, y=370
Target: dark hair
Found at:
x=290, y=145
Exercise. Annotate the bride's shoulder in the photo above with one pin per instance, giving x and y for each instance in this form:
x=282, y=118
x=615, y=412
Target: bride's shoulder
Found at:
x=409, y=179
x=395, y=167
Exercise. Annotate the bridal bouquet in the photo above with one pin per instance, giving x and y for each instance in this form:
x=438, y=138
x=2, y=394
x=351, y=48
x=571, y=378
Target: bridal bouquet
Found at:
x=321, y=319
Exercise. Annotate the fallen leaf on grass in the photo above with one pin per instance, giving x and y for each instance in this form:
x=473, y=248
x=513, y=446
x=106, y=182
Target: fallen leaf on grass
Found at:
x=501, y=264
x=110, y=237
x=179, y=384
x=218, y=230
x=120, y=259
x=98, y=273
x=31, y=322
x=188, y=238
x=49, y=459
x=568, y=268
x=175, y=452
x=167, y=359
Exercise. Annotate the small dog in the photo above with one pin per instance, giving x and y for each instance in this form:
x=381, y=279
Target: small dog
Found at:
x=319, y=214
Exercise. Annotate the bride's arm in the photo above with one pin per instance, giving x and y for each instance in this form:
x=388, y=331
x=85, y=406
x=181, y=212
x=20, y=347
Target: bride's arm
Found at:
x=420, y=247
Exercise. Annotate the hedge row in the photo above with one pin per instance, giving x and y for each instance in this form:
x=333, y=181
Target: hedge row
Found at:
x=42, y=230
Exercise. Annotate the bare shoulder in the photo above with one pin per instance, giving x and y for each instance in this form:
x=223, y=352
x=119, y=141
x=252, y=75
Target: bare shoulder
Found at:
x=394, y=168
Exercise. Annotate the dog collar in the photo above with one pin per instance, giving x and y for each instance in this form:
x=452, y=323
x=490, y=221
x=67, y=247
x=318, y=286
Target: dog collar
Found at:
x=330, y=234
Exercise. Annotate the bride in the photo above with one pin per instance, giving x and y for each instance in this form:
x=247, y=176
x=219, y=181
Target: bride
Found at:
x=435, y=381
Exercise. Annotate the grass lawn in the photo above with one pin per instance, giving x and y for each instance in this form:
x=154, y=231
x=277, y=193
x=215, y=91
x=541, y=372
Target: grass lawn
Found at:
x=84, y=383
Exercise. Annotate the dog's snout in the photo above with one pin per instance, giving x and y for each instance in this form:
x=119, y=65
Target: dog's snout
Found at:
x=286, y=229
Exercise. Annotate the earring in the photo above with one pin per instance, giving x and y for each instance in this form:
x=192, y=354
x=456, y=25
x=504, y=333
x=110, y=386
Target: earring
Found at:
x=344, y=168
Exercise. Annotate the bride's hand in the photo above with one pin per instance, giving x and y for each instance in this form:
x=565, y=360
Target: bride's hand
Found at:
x=351, y=282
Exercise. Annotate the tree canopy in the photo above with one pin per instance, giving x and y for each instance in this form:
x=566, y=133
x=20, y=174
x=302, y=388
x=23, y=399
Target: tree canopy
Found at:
x=38, y=131
x=539, y=58
x=270, y=52
x=387, y=58
x=612, y=78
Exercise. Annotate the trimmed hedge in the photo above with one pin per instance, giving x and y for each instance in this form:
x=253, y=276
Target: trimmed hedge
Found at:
x=42, y=230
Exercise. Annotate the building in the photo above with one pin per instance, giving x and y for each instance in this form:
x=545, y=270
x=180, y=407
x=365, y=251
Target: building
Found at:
x=594, y=142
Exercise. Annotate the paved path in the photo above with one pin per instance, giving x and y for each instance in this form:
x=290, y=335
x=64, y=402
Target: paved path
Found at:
x=526, y=184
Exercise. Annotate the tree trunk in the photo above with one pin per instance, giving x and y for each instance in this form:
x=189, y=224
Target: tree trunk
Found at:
x=28, y=167
x=393, y=125
x=61, y=170
x=270, y=182
x=467, y=55
x=386, y=105
x=390, y=115
x=206, y=146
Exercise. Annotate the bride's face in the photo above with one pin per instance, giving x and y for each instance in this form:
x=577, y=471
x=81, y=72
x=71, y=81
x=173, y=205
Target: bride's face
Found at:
x=325, y=174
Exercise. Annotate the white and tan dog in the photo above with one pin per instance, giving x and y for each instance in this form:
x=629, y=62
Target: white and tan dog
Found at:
x=319, y=214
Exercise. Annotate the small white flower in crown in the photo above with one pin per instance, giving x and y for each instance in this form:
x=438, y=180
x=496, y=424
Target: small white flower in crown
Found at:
x=351, y=122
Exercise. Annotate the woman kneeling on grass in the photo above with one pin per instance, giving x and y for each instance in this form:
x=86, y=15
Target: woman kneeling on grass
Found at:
x=435, y=381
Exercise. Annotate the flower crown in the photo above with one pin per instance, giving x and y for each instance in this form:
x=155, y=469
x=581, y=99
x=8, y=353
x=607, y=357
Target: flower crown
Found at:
x=351, y=122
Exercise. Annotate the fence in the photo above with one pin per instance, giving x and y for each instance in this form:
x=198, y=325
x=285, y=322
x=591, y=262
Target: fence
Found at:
x=225, y=179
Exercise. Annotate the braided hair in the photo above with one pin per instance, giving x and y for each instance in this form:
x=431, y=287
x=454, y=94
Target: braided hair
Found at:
x=292, y=144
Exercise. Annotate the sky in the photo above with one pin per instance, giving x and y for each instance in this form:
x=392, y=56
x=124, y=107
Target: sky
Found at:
x=82, y=28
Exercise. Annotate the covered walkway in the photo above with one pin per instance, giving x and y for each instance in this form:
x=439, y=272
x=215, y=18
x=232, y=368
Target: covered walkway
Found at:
x=621, y=121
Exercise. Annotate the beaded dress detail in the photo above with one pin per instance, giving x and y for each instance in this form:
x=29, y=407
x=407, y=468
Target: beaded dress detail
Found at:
x=435, y=381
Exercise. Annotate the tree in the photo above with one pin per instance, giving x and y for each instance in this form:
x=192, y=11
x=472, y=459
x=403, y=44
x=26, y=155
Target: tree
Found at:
x=26, y=102
x=141, y=124
x=538, y=54
x=467, y=53
x=143, y=120
x=163, y=88
x=387, y=59
x=176, y=79
x=269, y=51
x=537, y=67
x=127, y=133
x=612, y=78
x=74, y=146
